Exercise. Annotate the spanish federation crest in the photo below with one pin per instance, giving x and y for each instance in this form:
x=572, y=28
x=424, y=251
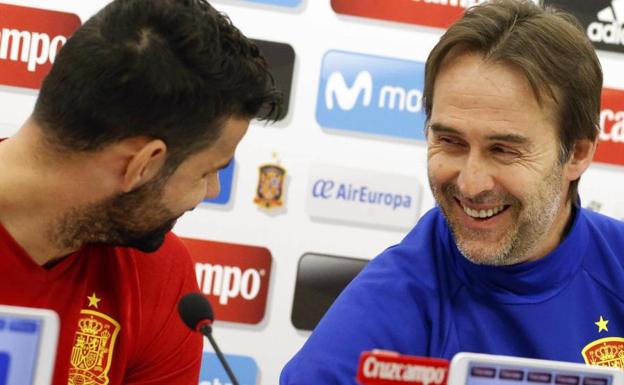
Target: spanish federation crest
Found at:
x=605, y=352
x=92, y=352
x=269, y=193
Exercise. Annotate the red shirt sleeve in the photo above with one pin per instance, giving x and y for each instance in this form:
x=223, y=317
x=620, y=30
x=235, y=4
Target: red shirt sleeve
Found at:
x=167, y=352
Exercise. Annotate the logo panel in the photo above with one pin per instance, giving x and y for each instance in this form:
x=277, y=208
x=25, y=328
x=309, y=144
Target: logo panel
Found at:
x=603, y=20
x=611, y=145
x=270, y=188
x=212, y=373
x=363, y=197
x=281, y=59
x=371, y=94
x=432, y=13
x=320, y=279
x=226, y=178
x=389, y=368
x=234, y=278
x=30, y=38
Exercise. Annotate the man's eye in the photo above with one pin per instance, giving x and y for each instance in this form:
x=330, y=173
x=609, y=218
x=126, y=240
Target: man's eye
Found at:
x=446, y=140
x=501, y=150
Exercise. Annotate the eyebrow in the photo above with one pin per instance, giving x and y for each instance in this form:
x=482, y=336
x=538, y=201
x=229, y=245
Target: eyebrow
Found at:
x=510, y=138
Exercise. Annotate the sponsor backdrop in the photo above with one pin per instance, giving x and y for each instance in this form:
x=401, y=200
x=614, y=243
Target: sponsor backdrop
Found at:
x=311, y=199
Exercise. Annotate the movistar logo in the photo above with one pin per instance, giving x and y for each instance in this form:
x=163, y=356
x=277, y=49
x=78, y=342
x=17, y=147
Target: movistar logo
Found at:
x=363, y=196
x=329, y=189
x=371, y=94
x=346, y=96
x=390, y=97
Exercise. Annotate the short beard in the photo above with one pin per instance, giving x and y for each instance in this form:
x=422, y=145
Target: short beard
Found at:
x=134, y=219
x=533, y=220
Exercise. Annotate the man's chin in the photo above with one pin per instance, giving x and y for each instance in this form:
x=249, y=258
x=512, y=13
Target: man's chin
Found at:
x=147, y=245
x=145, y=242
x=487, y=254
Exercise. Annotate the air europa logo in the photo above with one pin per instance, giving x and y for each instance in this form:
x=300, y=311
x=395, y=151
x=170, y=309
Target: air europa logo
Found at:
x=235, y=278
x=611, y=147
x=371, y=94
x=30, y=39
x=363, y=196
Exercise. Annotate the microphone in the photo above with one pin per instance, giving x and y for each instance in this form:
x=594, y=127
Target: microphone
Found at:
x=196, y=312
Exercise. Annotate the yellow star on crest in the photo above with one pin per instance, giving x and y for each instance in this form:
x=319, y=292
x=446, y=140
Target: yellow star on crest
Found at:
x=602, y=325
x=93, y=300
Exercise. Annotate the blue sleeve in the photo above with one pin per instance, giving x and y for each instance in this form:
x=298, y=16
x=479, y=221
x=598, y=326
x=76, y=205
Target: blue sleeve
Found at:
x=382, y=308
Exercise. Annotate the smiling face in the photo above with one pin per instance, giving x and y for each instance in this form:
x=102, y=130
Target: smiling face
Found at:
x=493, y=162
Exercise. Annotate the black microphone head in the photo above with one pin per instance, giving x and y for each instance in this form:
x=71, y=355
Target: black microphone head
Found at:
x=195, y=310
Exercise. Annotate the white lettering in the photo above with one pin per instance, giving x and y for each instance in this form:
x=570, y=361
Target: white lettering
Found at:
x=32, y=48
x=399, y=98
x=612, y=126
x=231, y=284
x=39, y=50
x=395, y=371
x=227, y=282
x=606, y=33
x=391, y=94
x=346, y=97
x=250, y=284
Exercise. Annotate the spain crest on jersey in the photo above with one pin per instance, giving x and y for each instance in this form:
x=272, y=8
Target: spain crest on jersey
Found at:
x=605, y=352
x=270, y=190
x=92, y=352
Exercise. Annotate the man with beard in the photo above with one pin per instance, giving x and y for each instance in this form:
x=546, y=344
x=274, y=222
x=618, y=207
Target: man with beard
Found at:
x=508, y=263
x=145, y=103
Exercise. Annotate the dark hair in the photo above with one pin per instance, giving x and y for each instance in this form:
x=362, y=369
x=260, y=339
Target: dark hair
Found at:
x=549, y=46
x=168, y=69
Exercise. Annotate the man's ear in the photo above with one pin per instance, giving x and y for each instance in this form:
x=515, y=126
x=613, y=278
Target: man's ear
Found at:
x=144, y=163
x=580, y=158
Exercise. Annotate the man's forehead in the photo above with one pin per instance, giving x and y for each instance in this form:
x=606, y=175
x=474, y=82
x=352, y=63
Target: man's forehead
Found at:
x=500, y=76
x=494, y=97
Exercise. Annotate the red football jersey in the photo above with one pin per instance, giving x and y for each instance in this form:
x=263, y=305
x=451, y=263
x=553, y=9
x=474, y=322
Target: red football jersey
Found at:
x=118, y=311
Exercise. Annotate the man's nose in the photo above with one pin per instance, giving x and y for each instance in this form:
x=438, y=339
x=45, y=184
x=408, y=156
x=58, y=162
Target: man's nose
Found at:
x=213, y=186
x=475, y=176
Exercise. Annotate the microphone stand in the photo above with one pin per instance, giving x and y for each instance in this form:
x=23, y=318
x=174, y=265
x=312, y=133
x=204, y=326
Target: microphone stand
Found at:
x=206, y=330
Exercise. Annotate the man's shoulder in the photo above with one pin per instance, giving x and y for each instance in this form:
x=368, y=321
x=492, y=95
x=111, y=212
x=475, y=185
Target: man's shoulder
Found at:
x=604, y=226
x=604, y=258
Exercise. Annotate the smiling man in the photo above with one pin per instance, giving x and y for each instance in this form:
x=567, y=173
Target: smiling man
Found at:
x=508, y=263
x=143, y=106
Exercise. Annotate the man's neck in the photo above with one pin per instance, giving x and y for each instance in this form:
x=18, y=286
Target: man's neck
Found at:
x=32, y=197
x=557, y=233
